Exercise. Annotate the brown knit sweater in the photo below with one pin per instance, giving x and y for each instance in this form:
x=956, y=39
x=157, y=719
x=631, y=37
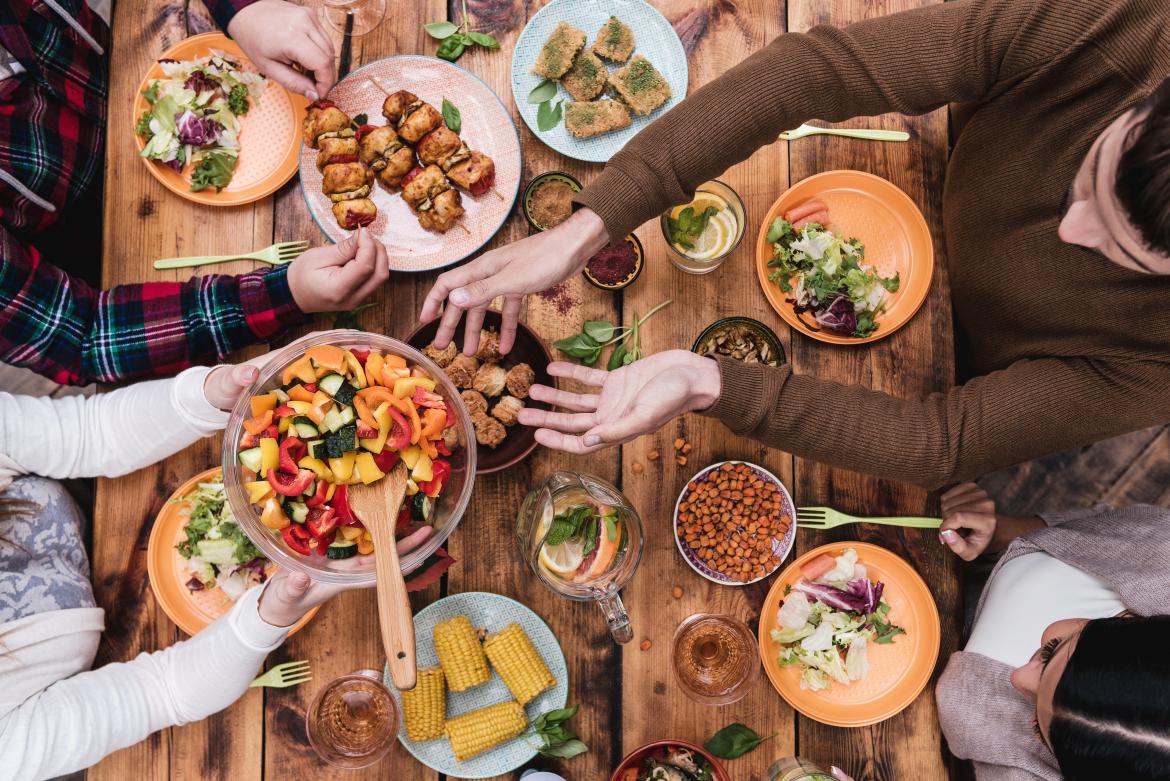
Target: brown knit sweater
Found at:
x=1069, y=347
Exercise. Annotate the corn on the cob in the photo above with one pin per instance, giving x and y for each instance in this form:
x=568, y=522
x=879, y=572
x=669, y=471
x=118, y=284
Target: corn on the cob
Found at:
x=476, y=732
x=516, y=660
x=460, y=654
x=424, y=707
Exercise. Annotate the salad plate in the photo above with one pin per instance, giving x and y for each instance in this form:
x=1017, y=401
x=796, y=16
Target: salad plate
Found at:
x=899, y=663
x=896, y=240
x=192, y=610
x=269, y=132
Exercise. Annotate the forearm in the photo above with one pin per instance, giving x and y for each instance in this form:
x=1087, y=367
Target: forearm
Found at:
x=1009, y=527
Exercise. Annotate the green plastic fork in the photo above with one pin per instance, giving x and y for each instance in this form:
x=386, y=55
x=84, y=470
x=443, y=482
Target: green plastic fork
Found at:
x=828, y=518
x=846, y=132
x=277, y=255
x=284, y=675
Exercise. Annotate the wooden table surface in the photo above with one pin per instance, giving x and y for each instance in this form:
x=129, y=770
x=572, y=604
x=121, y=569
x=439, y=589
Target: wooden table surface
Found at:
x=626, y=694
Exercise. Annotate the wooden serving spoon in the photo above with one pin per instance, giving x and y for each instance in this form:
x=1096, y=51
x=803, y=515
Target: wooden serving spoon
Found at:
x=377, y=506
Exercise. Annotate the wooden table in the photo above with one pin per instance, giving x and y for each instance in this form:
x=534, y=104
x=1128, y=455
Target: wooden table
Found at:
x=626, y=694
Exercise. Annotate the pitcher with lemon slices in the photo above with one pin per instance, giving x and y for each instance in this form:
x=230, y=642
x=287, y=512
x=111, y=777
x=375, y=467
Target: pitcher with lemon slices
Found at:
x=583, y=539
x=703, y=232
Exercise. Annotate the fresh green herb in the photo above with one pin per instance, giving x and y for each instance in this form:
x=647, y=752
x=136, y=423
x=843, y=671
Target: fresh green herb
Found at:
x=599, y=330
x=689, y=226
x=440, y=30
x=734, y=740
x=483, y=39
x=611, y=529
x=238, y=100
x=451, y=116
x=350, y=319
x=884, y=631
x=151, y=93
x=556, y=740
x=543, y=92
x=454, y=39
x=586, y=346
x=143, y=126
x=577, y=523
x=214, y=170
x=617, y=358
x=452, y=47
x=548, y=115
x=360, y=119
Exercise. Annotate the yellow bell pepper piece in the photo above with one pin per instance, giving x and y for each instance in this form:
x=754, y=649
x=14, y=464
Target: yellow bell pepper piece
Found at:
x=404, y=388
x=329, y=493
x=410, y=456
x=261, y=404
x=382, y=418
x=269, y=455
x=391, y=374
x=365, y=544
x=350, y=532
x=258, y=491
x=284, y=423
x=374, y=364
x=301, y=407
x=421, y=471
x=411, y=487
x=319, y=467
x=301, y=369
x=342, y=467
x=328, y=355
x=359, y=375
x=369, y=470
x=355, y=476
x=273, y=515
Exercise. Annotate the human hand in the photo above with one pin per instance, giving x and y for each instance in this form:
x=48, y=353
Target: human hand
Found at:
x=224, y=384
x=338, y=277
x=634, y=400
x=277, y=35
x=969, y=520
x=526, y=266
x=840, y=774
x=290, y=595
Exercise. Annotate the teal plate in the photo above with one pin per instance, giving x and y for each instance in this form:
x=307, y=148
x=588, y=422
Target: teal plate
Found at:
x=654, y=39
x=491, y=612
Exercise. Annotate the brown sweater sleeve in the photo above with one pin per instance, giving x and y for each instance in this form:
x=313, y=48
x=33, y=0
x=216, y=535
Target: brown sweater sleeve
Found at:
x=1031, y=408
x=911, y=62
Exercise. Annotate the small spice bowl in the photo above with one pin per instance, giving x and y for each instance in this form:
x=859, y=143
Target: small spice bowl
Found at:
x=741, y=329
x=626, y=281
x=779, y=546
x=531, y=205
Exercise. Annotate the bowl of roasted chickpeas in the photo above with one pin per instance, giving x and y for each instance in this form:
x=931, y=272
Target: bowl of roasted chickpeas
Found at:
x=494, y=387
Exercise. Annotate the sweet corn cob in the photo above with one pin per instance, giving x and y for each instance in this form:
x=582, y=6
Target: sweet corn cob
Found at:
x=512, y=654
x=460, y=654
x=424, y=707
x=476, y=732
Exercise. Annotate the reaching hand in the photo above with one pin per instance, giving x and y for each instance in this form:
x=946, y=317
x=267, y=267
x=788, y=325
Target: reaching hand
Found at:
x=338, y=277
x=526, y=266
x=290, y=595
x=224, y=384
x=969, y=520
x=634, y=400
x=277, y=36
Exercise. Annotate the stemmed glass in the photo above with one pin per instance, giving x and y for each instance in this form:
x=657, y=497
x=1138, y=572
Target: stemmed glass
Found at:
x=353, y=17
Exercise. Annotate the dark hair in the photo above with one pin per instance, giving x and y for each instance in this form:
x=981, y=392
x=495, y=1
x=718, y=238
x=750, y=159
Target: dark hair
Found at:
x=1143, y=175
x=1111, y=707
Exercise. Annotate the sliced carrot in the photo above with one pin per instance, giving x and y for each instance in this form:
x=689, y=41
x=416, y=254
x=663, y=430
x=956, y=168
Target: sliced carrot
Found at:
x=820, y=218
x=818, y=566
x=799, y=212
x=257, y=425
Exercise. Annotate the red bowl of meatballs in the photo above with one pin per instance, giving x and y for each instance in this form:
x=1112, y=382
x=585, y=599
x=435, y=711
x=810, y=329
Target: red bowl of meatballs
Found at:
x=494, y=387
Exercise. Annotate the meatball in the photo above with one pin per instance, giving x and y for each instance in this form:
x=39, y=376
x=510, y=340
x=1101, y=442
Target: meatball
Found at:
x=461, y=370
x=489, y=346
x=441, y=357
x=519, y=380
x=506, y=410
x=475, y=402
x=490, y=378
x=489, y=432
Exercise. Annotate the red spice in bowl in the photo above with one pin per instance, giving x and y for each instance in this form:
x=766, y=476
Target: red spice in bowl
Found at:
x=615, y=266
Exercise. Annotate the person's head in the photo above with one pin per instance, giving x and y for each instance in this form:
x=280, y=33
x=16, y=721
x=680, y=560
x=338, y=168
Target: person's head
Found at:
x=1102, y=693
x=1119, y=203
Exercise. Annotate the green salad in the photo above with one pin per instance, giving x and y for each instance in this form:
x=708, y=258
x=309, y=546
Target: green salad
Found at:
x=217, y=551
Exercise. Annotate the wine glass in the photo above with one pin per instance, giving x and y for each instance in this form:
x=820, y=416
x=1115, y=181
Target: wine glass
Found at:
x=353, y=721
x=353, y=17
x=715, y=658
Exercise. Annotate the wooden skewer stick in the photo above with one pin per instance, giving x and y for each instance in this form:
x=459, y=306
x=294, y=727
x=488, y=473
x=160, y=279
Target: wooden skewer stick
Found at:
x=463, y=228
x=374, y=80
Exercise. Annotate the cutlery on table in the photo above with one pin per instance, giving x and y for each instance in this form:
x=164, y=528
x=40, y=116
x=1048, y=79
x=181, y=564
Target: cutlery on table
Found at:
x=378, y=505
x=828, y=518
x=862, y=133
x=277, y=255
x=284, y=675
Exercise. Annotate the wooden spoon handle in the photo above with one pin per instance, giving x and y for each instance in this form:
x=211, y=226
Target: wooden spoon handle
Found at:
x=394, y=616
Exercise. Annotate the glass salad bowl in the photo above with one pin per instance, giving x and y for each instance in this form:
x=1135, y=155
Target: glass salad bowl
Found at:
x=357, y=570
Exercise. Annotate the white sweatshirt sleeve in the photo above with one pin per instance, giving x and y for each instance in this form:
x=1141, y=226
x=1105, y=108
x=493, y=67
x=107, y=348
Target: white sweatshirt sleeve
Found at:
x=77, y=721
x=107, y=434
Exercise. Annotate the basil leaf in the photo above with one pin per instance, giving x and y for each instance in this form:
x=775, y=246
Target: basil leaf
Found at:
x=590, y=537
x=591, y=358
x=566, y=750
x=599, y=330
x=483, y=39
x=617, y=360
x=545, y=90
x=577, y=346
x=440, y=30
x=734, y=740
x=452, y=47
x=548, y=115
x=451, y=116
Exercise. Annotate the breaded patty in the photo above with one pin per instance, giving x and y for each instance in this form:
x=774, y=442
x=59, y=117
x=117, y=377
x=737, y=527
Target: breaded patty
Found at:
x=640, y=85
x=585, y=120
x=588, y=76
x=615, y=41
x=556, y=56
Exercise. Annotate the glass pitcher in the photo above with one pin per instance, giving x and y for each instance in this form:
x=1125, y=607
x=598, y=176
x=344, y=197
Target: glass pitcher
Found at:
x=583, y=539
x=797, y=769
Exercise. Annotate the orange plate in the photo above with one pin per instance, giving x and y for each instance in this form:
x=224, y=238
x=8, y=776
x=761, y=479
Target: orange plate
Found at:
x=898, y=672
x=192, y=611
x=270, y=133
x=890, y=225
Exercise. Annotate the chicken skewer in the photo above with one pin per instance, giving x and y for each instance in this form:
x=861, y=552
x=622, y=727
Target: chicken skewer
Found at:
x=383, y=151
x=435, y=203
x=472, y=172
x=343, y=178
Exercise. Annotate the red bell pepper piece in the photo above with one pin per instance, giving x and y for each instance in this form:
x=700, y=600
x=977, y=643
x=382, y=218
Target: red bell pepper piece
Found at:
x=340, y=504
x=290, y=485
x=292, y=450
x=450, y=417
x=365, y=432
x=440, y=471
x=442, y=448
x=361, y=355
x=283, y=411
x=320, y=522
x=361, y=133
x=425, y=398
x=322, y=103
x=296, y=538
x=386, y=459
x=318, y=498
x=249, y=441
x=311, y=387
x=272, y=432
x=325, y=542
x=399, y=433
x=403, y=519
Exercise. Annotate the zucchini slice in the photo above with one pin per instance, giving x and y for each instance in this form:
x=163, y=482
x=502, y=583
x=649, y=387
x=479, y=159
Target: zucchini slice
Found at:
x=317, y=449
x=333, y=419
x=342, y=441
x=296, y=511
x=250, y=459
x=330, y=383
x=341, y=549
x=422, y=508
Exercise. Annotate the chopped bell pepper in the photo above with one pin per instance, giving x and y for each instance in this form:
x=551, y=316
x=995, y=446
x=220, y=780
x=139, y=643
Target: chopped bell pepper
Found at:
x=410, y=456
x=257, y=425
x=299, y=392
x=330, y=492
x=301, y=407
x=350, y=532
x=342, y=467
x=263, y=403
x=301, y=369
x=382, y=416
x=404, y=388
x=422, y=471
x=340, y=504
x=284, y=424
x=318, y=467
x=391, y=375
x=327, y=355
x=428, y=447
x=440, y=471
x=290, y=485
x=320, y=496
x=365, y=544
x=269, y=455
x=296, y=538
x=374, y=364
x=386, y=460
x=369, y=470
x=433, y=423
x=358, y=377
x=395, y=362
x=258, y=491
x=321, y=522
x=363, y=412
x=273, y=514
x=411, y=487
x=291, y=451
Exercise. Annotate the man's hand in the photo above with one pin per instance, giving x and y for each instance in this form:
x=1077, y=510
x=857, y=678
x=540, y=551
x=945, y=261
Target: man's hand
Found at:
x=526, y=266
x=277, y=35
x=634, y=400
x=969, y=520
x=338, y=277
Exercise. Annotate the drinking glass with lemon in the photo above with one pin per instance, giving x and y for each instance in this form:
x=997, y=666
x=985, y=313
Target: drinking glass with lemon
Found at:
x=703, y=232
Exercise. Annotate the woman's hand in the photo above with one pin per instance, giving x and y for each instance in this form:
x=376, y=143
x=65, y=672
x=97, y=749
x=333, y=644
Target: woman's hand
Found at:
x=633, y=400
x=277, y=36
x=526, y=266
x=338, y=277
x=290, y=595
x=225, y=384
x=969, y=520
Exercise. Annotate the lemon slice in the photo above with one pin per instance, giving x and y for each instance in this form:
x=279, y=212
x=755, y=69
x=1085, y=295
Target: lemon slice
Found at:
x=712, y=241
x=563, y=559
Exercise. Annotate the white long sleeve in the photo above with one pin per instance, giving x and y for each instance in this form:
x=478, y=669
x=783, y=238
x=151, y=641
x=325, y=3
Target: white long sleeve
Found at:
x=107, y=434
x=78, y=720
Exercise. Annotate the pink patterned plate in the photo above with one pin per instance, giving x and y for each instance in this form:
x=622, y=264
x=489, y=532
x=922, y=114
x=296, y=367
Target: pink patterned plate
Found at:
x=487, y=127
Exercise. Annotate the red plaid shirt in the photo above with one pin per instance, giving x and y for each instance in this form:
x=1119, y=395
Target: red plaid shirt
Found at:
x=52, y=132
